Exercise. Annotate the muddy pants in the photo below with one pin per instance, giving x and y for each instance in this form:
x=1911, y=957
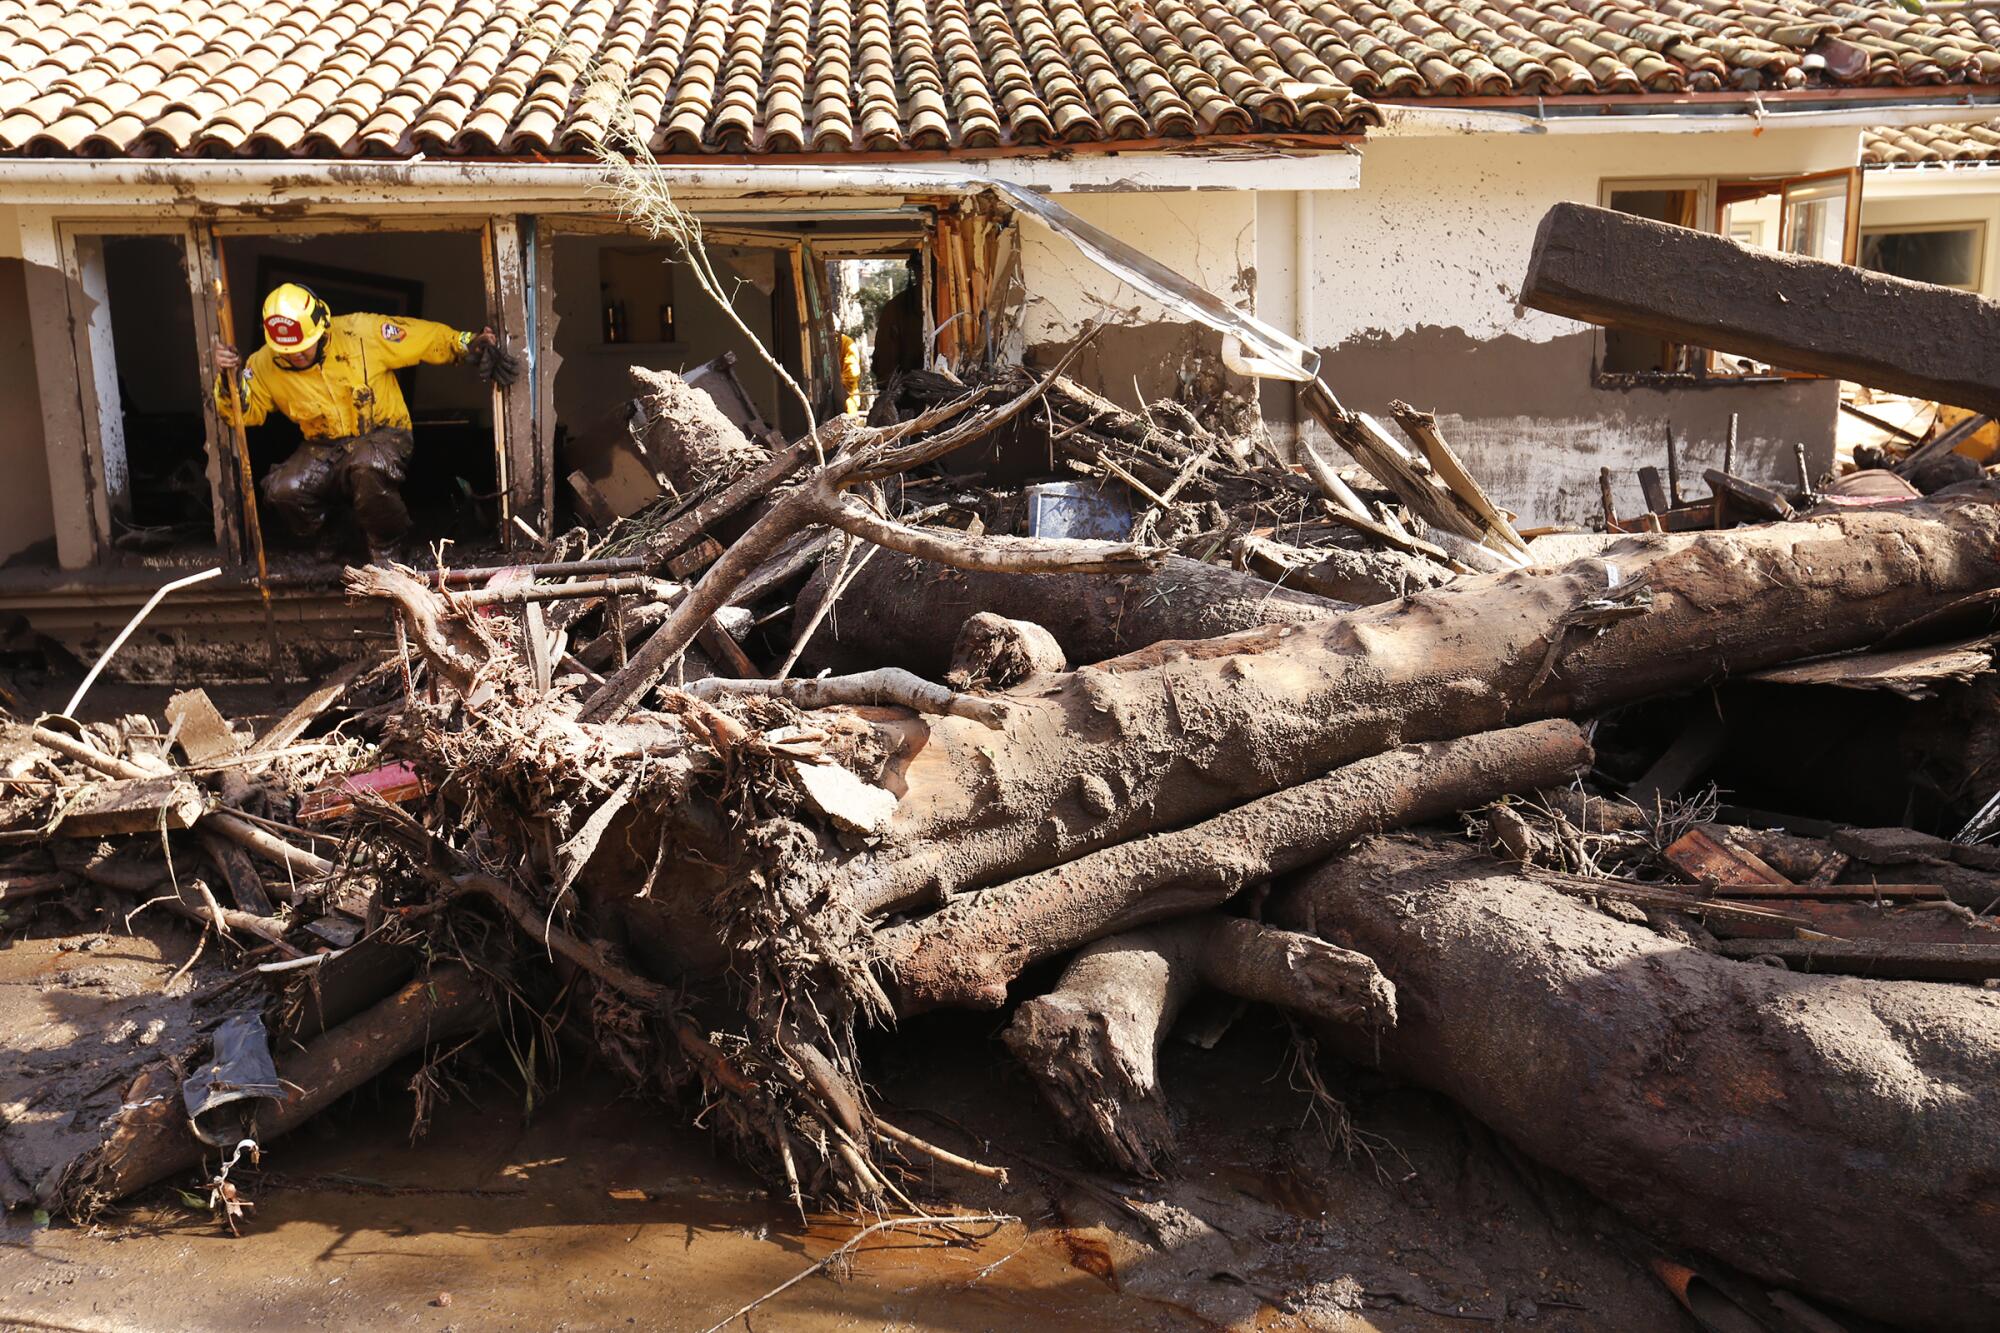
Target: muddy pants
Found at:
x=364, y=470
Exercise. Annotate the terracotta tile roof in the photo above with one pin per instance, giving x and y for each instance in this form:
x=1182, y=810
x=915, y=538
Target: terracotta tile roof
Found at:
x=392, y=77
x=1911, y=145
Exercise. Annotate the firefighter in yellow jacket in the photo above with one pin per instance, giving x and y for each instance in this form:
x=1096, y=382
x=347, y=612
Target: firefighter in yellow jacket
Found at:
x=335, y=376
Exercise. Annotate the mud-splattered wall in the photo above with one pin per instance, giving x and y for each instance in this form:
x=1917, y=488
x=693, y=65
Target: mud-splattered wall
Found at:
x=1414, y=296
x=1209, y=237
x=1409, y=286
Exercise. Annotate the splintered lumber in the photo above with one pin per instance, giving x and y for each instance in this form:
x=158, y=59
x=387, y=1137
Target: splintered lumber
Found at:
x=231, y=826
x=149, y=1140
x=1091, y=1045
x=1761, y=501
x=903, y=611
x=1822, y=1133
x=1110, y=753
x=199, y=728
x=967, y=952
x=307, y=710
x=133, y=805
x=1686, y=286
x=1920, y=960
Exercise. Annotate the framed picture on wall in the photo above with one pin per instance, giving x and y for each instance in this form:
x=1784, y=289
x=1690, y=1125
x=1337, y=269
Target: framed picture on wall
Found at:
x=345, y=290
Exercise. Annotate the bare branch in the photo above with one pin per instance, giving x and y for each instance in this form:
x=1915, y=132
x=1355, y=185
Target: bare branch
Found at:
x=888, y=685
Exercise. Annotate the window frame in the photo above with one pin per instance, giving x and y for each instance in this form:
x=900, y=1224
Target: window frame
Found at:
x=1708, y=189
x=1975, y=225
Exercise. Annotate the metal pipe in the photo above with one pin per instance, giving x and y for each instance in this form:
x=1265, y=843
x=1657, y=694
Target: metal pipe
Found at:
x=159, y=594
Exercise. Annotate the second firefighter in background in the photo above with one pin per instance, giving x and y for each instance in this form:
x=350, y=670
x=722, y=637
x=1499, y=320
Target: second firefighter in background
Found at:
x=335, y=376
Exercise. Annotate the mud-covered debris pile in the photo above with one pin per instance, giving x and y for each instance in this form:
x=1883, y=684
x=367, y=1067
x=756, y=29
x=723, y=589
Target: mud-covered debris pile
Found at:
x=1157, y=723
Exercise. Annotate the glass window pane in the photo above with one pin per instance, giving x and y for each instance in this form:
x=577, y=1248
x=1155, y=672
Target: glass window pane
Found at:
x=1946, y=256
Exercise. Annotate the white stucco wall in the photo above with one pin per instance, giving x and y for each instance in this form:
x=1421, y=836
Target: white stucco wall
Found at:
x=1446, y=223
x=1209, y=237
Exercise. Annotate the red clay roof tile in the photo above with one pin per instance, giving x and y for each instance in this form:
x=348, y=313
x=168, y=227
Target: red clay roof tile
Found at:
x=376, y=77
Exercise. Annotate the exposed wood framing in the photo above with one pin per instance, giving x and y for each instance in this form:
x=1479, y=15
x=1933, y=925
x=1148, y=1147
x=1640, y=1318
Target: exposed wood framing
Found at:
x=539, y=374
x=225, y=492
x=97, y=373
x=77, y=500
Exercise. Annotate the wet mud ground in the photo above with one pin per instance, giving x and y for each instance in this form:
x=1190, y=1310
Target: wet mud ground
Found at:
x=598, y=1211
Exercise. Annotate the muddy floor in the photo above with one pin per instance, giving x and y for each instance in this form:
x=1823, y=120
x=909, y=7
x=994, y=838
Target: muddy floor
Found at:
x=594, y=1211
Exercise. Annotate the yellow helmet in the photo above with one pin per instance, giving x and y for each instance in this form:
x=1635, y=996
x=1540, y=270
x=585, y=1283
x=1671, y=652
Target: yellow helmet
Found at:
x=294, y=319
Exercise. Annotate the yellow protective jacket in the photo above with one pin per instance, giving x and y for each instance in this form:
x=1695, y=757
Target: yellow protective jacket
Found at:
x=353, y=389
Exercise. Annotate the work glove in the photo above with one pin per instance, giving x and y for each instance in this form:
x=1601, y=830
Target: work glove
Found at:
x=495, y=364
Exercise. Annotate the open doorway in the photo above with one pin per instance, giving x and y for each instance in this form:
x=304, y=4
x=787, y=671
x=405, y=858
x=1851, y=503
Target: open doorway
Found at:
x=452, y=483
x=622, y=302
x=878, y=310
x=167, y=497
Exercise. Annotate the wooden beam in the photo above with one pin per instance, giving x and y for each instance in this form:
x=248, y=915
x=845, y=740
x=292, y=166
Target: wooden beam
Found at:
x=1803, y=314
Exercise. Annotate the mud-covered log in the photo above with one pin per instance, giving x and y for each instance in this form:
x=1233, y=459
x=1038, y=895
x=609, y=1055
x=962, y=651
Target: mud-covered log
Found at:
x=1092, y=1044
x=1689, y=286
x=1831, y=1135
x=149, y=1139
x=1175, y=733
x=904, y=611
x=967, y=952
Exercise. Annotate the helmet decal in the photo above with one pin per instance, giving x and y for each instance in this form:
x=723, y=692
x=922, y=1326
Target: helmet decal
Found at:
x=294, y=318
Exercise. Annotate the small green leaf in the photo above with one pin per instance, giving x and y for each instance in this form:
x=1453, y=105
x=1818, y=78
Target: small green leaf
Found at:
x=41, y=1217
x=194, y=1201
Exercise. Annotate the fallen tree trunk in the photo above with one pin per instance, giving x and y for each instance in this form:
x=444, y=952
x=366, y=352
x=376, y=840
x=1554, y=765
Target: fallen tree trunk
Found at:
x=1828, y=1134
x=1092, y=1044
x=1175, y=733
x=900, y=610
x=967, y=952
x=149, y=1139
x=1689, y=286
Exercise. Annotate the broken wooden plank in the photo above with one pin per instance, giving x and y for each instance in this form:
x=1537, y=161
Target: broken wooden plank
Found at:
x=1748, y=496
x=1914, y=673
x=720, y=645
x=590, y=502
x=1654, y=490
x=133, y=805
x=1913, y=960
x=695, y=559
x=1707, y=860
x=199, y=728
x=246, y=886
x=1787, y=890
x=1692, y=753
x=307, y=710
x=1687, y=286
